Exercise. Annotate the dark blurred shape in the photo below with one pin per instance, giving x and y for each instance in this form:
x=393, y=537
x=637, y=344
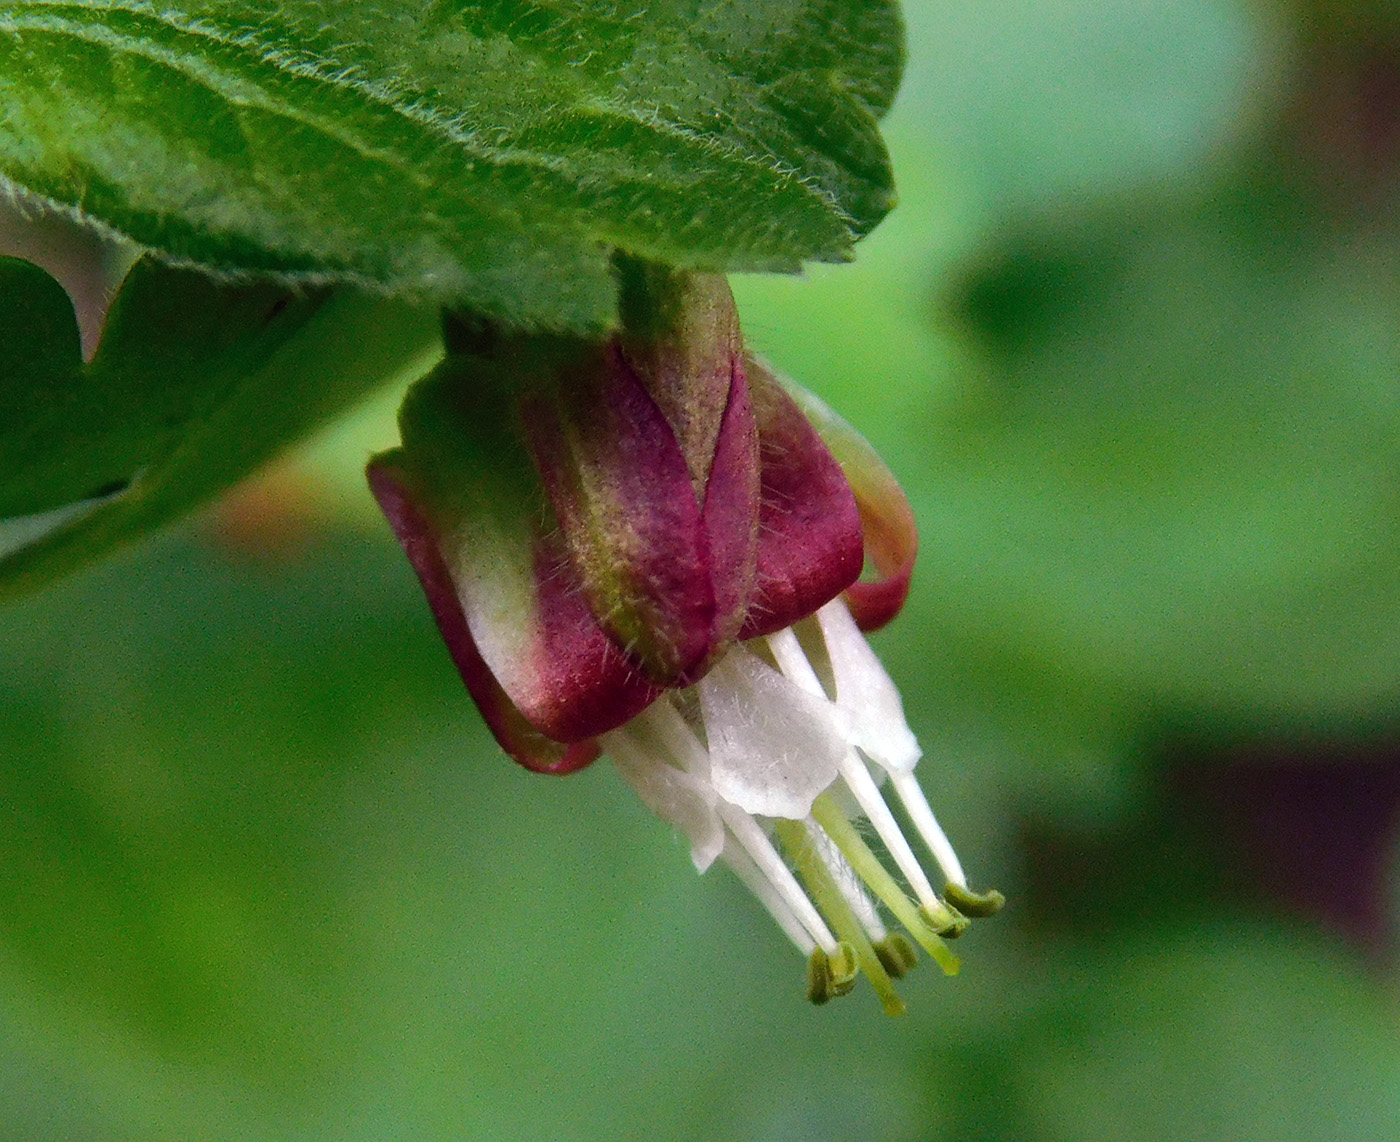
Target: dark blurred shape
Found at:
x=1310, y=826
x=1025, y=290
x=1142, y=871
x=1343, y=127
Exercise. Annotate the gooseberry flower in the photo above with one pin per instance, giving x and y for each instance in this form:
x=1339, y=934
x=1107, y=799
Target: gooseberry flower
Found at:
x=649, y=546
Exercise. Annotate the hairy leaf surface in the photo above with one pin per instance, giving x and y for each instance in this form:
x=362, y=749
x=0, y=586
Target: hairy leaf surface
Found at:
x=487, y=154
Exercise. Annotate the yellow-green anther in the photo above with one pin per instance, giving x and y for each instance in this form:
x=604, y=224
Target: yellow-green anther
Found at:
x=831, y=976
x=948, y=922
x=975, y=904
x=833, y=904
x=868, y=867
x=897, y=954
x=818, y=977
x=843, y=969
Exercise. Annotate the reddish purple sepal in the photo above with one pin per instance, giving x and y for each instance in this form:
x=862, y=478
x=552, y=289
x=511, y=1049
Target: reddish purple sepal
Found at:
x=561, y=742
x=648, y=448
x=594, y=522
x=809, y=535
x=891, y=545
x=731, y=520
x=664, y=544
x=890, y=535
x=580, y=682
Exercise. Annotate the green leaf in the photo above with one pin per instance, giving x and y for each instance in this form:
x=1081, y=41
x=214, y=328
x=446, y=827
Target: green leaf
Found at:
x=488, y=155
x=194, y=384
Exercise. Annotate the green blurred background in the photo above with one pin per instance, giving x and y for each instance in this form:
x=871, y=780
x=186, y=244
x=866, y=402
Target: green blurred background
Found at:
x=1132, y=342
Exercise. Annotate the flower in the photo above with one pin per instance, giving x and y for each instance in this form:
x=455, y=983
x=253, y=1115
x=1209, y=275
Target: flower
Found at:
x=643, y=546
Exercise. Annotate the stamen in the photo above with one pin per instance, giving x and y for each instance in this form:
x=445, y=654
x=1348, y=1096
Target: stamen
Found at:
x=976, y=904
x=945, y=921
x=677, y=736
x=916, y=805
x=897, y=955
x=868, y=867
x=867, y=795
x=818, y=978
x=738, y=859
x=773, y=744
x=848, y=881
x=770, y=864
x=798, y=846
x=829, y=977
x=794, y=663
x=639, y=751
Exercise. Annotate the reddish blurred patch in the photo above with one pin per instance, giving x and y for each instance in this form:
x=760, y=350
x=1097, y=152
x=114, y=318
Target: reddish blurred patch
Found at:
x=1311, y=826
x=272, y=517
x=1308, y=828
x=1344, y=125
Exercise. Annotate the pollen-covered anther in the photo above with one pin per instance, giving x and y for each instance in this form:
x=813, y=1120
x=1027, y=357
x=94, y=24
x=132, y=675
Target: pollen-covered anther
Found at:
x=946, y=921
x=897, y=955
x=831, y=976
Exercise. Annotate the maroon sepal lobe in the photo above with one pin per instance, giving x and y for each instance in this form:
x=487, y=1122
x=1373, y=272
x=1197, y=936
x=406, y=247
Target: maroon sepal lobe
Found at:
x=809, y=528
x=583, y=683
x=731, y=519
x=891, y=546
x=889, y=533
x=628, y=515
x=515, y=733
x=650, y=462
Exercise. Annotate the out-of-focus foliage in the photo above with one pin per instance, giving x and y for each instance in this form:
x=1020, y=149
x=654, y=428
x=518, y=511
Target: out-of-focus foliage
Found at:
x=1130, y=343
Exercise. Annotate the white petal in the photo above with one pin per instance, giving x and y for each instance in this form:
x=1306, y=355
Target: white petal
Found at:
x=773, y=747
x=672, y=795
x=865, y=693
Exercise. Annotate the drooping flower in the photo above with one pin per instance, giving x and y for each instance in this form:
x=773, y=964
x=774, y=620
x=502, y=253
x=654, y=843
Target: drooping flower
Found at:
x=643, y=546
